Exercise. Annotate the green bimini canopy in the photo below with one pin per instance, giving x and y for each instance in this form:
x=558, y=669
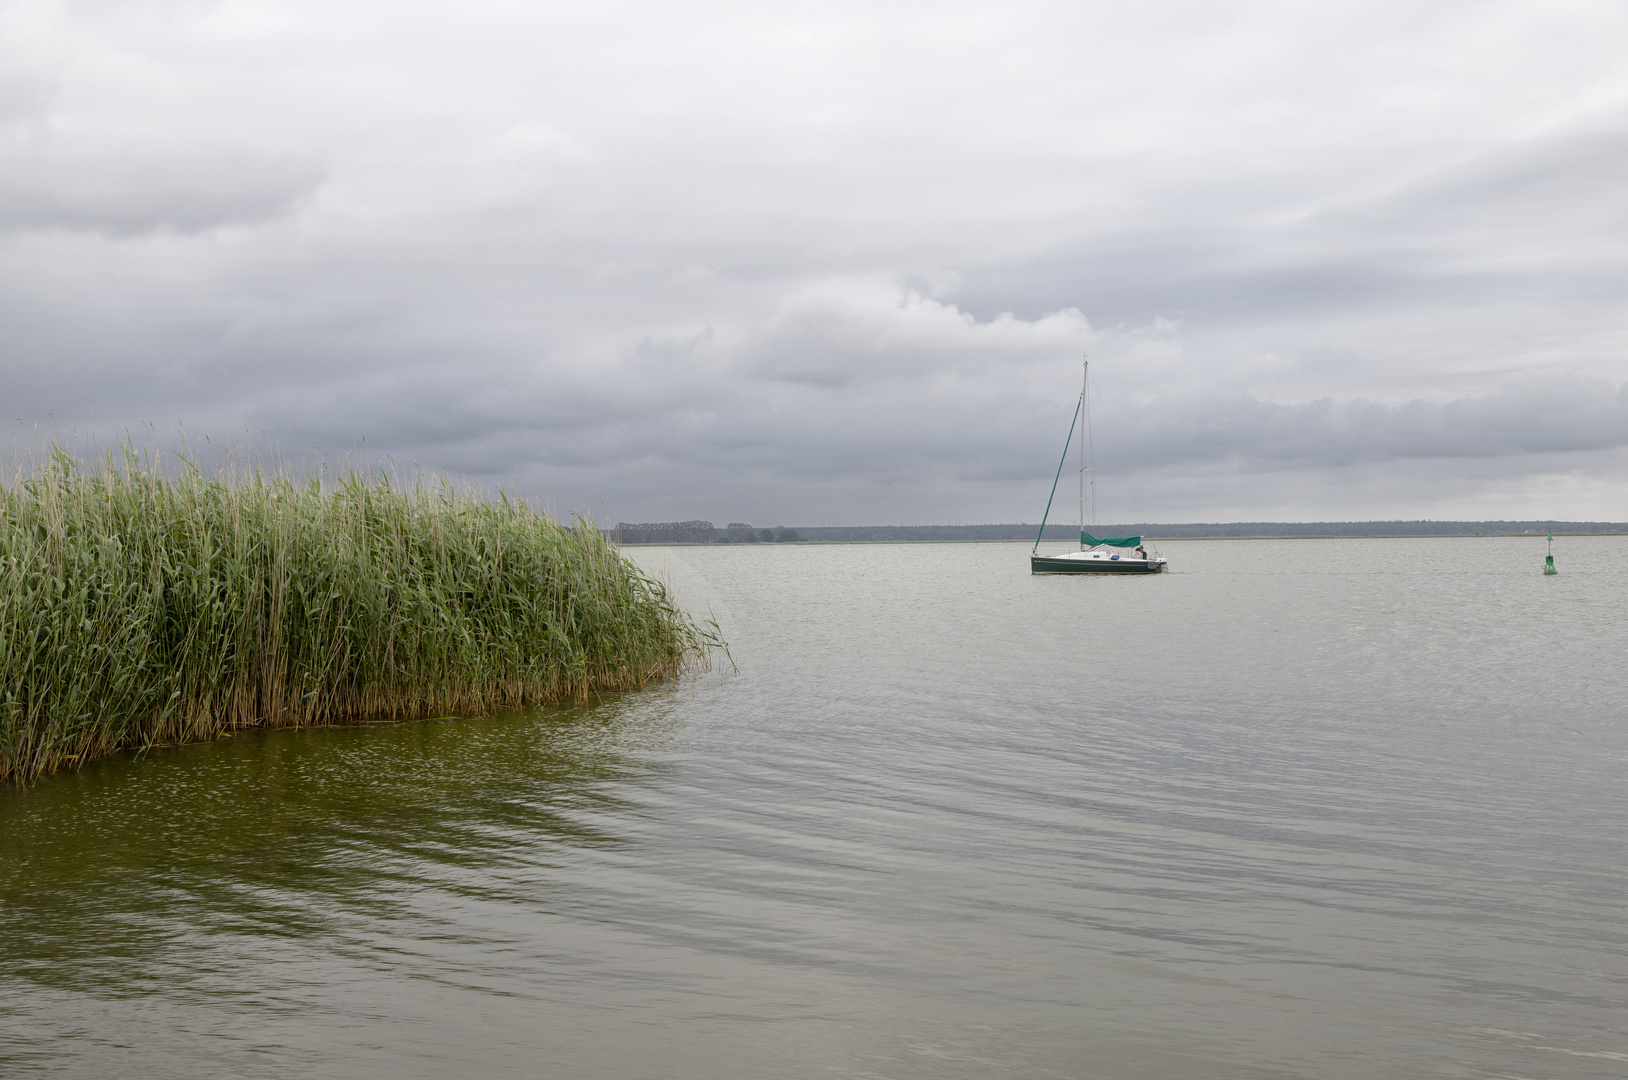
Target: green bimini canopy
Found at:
x=1109, y=541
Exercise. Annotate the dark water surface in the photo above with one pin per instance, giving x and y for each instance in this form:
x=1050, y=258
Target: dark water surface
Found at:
x=1331, y=808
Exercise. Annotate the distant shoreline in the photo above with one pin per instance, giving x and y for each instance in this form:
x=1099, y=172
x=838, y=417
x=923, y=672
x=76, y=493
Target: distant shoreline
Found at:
x=700, y=533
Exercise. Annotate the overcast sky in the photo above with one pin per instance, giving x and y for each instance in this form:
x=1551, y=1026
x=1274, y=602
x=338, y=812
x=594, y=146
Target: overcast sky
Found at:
x=837, y=263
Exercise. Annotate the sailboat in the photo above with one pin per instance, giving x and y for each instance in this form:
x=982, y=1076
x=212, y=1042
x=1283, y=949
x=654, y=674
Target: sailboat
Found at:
x=1097, y=555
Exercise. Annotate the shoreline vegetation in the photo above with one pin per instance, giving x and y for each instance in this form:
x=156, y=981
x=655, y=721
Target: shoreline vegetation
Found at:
x=704, y=532
x=142, y=609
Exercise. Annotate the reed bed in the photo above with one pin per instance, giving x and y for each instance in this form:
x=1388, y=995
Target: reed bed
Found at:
x=138, y=608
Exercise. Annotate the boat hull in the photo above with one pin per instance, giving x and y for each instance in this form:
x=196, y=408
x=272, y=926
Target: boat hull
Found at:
x=1052, y=564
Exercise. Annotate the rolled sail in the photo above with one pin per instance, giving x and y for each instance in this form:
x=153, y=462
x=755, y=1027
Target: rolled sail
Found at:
x=1110, y=541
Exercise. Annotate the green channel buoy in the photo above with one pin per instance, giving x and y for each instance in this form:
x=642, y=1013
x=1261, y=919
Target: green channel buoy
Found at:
x=1549, y=559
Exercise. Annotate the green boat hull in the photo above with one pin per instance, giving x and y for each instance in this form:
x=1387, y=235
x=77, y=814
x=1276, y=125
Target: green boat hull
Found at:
x=1048, y=564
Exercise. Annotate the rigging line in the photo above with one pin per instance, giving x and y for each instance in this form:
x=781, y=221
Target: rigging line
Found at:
x=1119, y=459
x=1059, y=475
x=1090, y=455
x=1124, y=473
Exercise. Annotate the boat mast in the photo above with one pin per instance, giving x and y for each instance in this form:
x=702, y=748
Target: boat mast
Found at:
x=1085, y=382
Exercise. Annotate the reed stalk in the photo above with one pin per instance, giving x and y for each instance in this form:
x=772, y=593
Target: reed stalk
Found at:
x=138, y=608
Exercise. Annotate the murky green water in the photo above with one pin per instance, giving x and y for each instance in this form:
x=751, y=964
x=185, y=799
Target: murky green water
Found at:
x=1333, y=808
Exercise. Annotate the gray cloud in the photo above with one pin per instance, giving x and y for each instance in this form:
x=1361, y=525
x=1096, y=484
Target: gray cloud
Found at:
x=1534, y=419
x=1543, y=219
x=124, y=195
x=829, y=266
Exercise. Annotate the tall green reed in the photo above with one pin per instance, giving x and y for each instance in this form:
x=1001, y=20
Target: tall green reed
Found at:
x=138, y=608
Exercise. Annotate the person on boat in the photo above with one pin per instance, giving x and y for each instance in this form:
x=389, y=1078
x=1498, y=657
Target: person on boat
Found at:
x=1141, y=552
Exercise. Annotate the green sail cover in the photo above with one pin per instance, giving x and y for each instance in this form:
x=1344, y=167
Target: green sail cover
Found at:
x=1109, y=541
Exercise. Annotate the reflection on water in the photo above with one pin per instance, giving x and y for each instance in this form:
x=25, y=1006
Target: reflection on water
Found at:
x=1298, y=808
x=244, y=875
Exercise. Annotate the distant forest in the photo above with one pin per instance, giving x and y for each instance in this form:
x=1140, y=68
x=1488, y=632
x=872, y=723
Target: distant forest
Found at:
x=699, y=532
x=704, y=532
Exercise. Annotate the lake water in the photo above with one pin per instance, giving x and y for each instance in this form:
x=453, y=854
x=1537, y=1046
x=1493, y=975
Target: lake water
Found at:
x=1299, y=808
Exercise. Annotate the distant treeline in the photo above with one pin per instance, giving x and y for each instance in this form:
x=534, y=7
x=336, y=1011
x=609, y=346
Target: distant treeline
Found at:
x=922, y=533
x=704, y=532
x=1364, y=528
x=699, y=532
x=664, y=532
x=1204, y=530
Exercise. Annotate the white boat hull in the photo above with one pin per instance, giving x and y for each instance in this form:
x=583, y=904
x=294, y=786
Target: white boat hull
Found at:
x=1094, y=562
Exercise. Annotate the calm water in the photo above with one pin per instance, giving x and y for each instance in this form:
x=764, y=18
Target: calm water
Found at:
x=1338, y=808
